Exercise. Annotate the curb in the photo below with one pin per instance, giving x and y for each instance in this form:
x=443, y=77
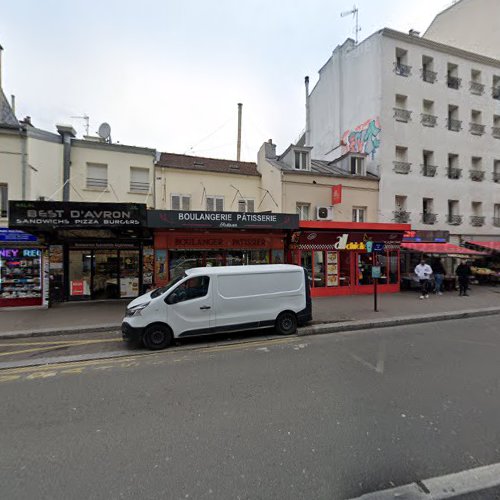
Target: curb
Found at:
x=46, y=332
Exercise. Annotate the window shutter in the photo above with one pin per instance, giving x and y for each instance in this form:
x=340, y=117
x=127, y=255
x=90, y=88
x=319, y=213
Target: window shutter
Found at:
x=210, y=204
x=250, y=206
x=219, y=204
x=97, y=176
x=242, y=205
x=139, y=179
x=176, y=205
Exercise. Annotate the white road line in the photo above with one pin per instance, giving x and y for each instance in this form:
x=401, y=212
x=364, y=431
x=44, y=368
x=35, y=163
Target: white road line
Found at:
x=363, y=362
x=440, y=488
x=382, y=350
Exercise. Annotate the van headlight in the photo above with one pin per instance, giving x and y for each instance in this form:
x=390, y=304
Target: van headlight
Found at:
x=136, y=310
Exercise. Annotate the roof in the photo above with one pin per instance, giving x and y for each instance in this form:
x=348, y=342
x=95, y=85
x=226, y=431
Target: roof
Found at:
x=7, y=117
x=257, y=268
x=439, y=248
x=202, y=164
x=490, y=245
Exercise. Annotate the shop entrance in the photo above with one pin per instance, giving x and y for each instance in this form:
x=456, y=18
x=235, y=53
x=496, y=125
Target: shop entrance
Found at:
x=103, y=274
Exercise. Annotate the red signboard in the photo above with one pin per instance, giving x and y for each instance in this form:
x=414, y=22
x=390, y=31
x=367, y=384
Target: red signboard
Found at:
x=77, y=287
x=336, y=194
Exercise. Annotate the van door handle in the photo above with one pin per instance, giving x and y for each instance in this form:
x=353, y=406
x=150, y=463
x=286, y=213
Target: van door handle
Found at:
x=205, y=307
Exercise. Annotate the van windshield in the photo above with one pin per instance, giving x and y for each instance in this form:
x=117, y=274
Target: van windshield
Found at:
x=163, y=289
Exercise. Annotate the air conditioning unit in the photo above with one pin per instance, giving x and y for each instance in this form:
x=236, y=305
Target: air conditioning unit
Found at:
x=324, y=213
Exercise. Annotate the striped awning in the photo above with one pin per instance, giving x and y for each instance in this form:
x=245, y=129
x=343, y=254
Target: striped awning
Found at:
x=439, y=248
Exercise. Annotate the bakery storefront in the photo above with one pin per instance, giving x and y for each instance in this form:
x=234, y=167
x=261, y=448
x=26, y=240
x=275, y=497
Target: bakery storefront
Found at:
x=183, y=240
x=339, y=256
x=95, y=251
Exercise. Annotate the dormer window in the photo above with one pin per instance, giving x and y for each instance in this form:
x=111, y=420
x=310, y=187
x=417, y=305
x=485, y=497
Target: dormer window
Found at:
x=302, y=160
x=357, y=165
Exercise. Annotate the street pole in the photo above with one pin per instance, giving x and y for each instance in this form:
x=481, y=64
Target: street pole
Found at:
x=375, y=280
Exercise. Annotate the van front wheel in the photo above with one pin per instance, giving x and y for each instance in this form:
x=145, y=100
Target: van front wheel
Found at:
x=157, y=337
x=286, y=323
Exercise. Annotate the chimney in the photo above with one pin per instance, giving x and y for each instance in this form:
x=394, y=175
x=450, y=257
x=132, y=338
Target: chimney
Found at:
x=1, y=50
x=308, y=129
x=13, y=103
x=67, y=132
x=270, y=150
x=238, y=144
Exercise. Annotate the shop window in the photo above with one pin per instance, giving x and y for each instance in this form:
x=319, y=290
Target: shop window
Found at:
x=20, y=273
x=278, y=257
x=97, y=176
x=215, y=203
x=4, y=200
x=246, y=205
x=139, y=180
x=359, y=214
x=129, y=273
x=180, y=261
x=344, y=269
x=258, y=257
x=364, y=269
x=79, y=273
x=306, y=263
x=193, y=288
x=180, y=202
x=303, y=210
x=319, y=269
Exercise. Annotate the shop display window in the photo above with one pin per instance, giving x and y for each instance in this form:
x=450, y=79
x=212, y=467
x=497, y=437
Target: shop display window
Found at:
x=129, y=273
x=364, y=268
x=319, y=269
x=278, y=257
x=20, y=273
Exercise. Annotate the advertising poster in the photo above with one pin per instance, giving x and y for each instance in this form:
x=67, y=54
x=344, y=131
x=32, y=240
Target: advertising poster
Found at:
x=147, y=265
x=55, y=257
x=161, y=270
x=332, y=269
x=129, y=287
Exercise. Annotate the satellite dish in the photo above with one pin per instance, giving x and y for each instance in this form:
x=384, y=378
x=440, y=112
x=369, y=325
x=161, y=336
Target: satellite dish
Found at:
x=104, y=131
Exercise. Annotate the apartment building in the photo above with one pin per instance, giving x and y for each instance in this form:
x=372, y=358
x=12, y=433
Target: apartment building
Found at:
x=427, y=116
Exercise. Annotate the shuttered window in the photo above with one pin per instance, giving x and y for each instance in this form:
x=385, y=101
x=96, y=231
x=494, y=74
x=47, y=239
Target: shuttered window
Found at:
x=139, y=180
x=180, y=202
x=246, y=206
x=97, y=176
x=215, y=203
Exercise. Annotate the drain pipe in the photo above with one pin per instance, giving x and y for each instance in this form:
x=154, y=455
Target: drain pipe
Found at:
x=67, y=133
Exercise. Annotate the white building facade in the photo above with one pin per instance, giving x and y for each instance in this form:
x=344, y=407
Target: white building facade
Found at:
x=427, y=118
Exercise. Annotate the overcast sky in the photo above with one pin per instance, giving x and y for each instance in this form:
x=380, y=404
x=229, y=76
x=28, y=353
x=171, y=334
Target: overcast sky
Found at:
x=168, y=74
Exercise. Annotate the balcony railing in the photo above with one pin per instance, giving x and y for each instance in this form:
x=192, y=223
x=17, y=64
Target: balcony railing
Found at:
x=477, y=220
x=454, y=125
x=476, y=128
x=402, y=115
x=401, y=216
x=495, y=132
x=476, y=88
x=428, y=120
x=402, y=167
x=496, y=176
x=429, y=170
x=476, y=175
x=495, y=92
x=428, y=76
x=454, y=173
x=455, y=220
x=496, y=221
x=402, y=69
x=453, y=82
x=429, y=218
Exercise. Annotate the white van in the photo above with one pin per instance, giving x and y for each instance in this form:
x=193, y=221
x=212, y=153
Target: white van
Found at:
x=207, y=300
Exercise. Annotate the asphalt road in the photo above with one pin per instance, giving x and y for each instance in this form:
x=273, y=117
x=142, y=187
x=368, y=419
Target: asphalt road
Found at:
x=331, y=416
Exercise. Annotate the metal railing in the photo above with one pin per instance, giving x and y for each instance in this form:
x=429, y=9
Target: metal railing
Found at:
x=428, y=120
x=477, y=220
x=453, y=82
x=401, y=167
x=455, y=220
x=476, y=88
x=476, y=175
x=429, y=170
x=476, y=128
x=429, y=218
x=454, y=173
x=401, y=216
x=428, y=76
x=402, y=69
x=402, y=115
x=454, y=125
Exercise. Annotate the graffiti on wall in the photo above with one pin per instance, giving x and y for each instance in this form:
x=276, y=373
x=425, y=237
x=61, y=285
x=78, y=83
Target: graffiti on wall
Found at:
x=363, y=139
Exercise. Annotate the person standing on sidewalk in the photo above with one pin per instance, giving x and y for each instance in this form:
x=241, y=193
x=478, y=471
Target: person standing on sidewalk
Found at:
x=463, y=272
x=424, y=272
x=439, y=273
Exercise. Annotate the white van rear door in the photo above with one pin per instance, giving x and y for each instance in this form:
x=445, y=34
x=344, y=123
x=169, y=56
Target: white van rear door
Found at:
x=190, y=308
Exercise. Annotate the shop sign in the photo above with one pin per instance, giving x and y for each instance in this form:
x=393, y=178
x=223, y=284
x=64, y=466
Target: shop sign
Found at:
x=426, y=236
x=45, y=214
x=77, y=287
x=19, y=253
x=377, y=242
x=336, y=194
x=16, y=236
x=221, y=220
x=220, y=243
x=105, y=245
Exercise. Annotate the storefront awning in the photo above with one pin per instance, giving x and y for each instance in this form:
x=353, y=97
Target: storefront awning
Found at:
x=440, y=248
x=489, y=245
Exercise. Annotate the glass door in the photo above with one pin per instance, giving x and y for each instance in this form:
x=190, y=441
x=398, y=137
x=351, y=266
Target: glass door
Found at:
x=80, y=274
x=105, y=282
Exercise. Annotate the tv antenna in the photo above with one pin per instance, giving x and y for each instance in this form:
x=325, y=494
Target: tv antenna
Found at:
x=87, y=122
x=354, y=11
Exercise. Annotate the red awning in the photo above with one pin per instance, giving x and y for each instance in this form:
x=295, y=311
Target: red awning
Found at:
x=490, y=245
x=441, y=248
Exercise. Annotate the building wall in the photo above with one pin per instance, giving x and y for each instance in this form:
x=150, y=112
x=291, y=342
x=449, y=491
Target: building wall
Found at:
x=469, y=24
x=198, y=185
x=119, y=159
x=11, y=151
x=272, y=179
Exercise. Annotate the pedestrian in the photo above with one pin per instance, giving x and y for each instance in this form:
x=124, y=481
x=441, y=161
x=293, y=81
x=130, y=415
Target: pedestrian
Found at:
x=439, y=274
x=424, y=272
x=463, y=272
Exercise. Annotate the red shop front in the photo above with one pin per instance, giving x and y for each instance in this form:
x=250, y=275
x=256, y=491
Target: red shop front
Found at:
x=339, y=256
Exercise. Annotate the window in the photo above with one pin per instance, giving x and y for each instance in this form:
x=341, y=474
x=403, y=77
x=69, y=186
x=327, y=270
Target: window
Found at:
x=401, y=67
x=246, y=206
x=139, y=180
x=495, y=130
x=4, y=200
x=193, y=288
x=400, y=202
x=400, y=213
x=97, y=176
x=428, y=73
x=359, y=214
x=428, y=215
x=429, y=119
x=477, y=219
x=477, y=208
x=453, y=171
x=357, y=165
x=454, y=123
x=301, y=160
x=496, y=170
x=180, y=202
x=215, y=203
x=496, y=215
x=401, y=113
x=453, y=213
x=476, y=87
x=452, y=77
x=495, y=91
x=303, y=210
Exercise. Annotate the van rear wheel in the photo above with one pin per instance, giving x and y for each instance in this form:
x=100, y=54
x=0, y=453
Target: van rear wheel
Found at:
x=157, y=337
x=286, y=323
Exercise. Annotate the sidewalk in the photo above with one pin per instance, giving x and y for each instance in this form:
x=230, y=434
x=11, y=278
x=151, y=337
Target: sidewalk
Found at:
x=100, y=316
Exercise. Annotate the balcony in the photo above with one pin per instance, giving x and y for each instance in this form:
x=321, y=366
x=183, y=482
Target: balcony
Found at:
x=454, y=125
x=401, y=167
x=402, y=69
x=428, y=120
x=496, y=221
x=476, y=88
x=477, y=220
x=476, y=175
x=453, y=82
x=429, y=218
x=495, y=132
x=401, y=216
x=454, y=173
x=428, y=76
x=402, y=115
x=495, y=93
x=496, y=176
x=455, y=220
x=476, y=128
x=428, y=170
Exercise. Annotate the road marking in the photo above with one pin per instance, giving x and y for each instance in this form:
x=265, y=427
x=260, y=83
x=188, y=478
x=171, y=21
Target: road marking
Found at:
x=442, y=487
x=382, y=351
x=25, y=351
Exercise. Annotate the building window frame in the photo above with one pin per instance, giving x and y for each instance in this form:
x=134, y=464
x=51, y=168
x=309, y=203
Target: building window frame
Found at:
x=303, y=210
x=139, y=186
x=183, y=202
x=214, y=203
x=246, y=205
x=359, y=214
x=94, y=181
